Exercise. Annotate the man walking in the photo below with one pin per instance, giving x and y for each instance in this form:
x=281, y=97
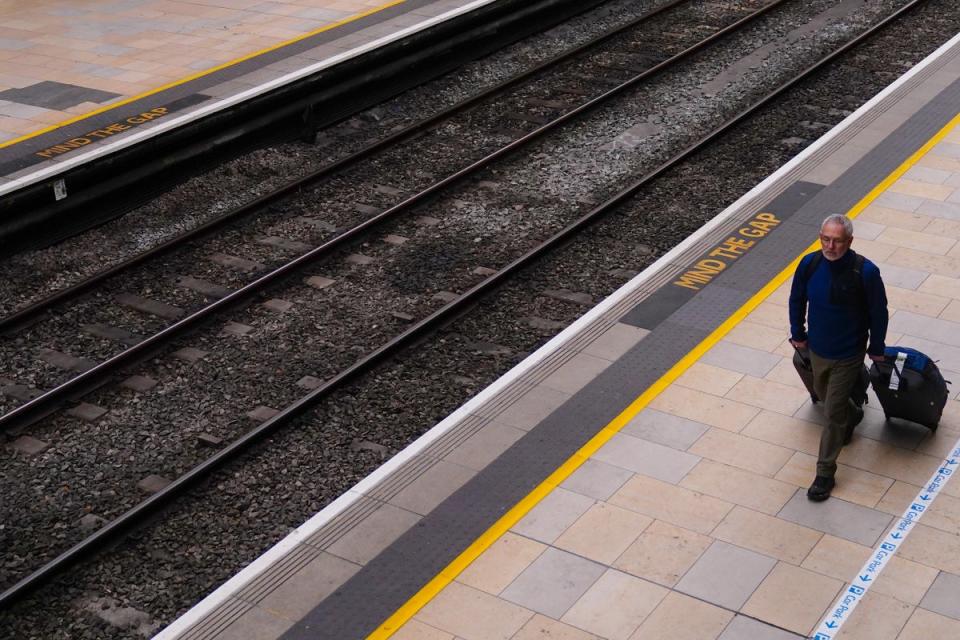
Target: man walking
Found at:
x=840, y=297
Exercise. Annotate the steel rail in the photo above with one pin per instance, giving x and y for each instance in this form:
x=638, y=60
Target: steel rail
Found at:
x=114, y=529
x=28, y=314
x=47, y=402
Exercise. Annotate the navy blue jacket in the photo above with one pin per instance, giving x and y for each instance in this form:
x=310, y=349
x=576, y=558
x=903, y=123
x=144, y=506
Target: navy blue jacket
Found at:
x=841, y=312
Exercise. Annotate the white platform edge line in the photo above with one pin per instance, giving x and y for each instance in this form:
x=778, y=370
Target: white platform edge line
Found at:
x=207, y=108
x=251, y=571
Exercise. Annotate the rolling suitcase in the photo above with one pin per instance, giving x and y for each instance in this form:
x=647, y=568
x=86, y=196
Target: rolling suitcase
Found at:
x=801, y=362
x=910, y=386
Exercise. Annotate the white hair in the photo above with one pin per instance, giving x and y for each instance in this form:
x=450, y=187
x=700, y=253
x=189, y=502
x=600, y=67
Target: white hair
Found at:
x=842, y=220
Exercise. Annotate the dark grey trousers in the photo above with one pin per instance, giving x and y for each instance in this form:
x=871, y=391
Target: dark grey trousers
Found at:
x=832, y=381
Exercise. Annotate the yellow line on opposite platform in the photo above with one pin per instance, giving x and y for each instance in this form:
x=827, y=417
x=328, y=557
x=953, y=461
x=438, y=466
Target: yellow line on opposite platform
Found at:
x=501, y=526
x=200, y=74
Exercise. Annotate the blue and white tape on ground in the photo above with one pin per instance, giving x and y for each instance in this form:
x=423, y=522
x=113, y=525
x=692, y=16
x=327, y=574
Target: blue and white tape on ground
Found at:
x=850, y=597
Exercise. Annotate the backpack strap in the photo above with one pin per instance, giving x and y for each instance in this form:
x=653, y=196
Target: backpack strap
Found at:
x=858, y=266
x=812, y=266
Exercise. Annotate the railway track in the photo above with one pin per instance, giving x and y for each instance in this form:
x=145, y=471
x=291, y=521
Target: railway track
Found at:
x=455, y=307
x=311, y=235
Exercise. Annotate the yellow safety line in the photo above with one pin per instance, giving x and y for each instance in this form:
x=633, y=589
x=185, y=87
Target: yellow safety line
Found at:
x=501, y=526
x=200, y=74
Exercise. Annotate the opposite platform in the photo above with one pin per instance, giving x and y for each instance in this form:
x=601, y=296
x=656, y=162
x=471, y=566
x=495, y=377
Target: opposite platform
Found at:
x=80, y=82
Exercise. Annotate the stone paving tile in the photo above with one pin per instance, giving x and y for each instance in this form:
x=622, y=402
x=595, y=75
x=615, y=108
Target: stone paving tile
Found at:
x=303, y=591
x=921, y=261
x=576, y=373
x=876, y=252
x=663, y=553
x=726, y=575
x=432, y=487
x=944, y=227
x=924, y=625
x=769, y=314
x=769, y=395
x=708, y=378
x=898, y=433
x=735, y=357
x=736, y=485
x=768, y=535
x=615, y=605
x=743, y=628
x=372, y=535
x=472, y=614
x=676, y=505
x=551, y=517
x=596, y=479
x=740, y=451
x=755, y=336
x=648, y=458
x=853, y=485
x=553, y=583
x=905, y=580
x=900, y=276
x=891, y=461
x=416, y=630
x=864, y=230
x=916, y=301
x=501, y=563
x=666, y=429
x=528, y=411
x=943, y=515
x=541, y=627
x=785, y=373
x=603, y=533
x=256, y=624
x=705, y=408
x=918, y=240
x=944, y=596
x=483, y=447
x=681, y=617
x=942, y=331
x=899, y=201
x=837, y=517
x=785, y=431
x=792, y=598
x=892, y=218
x=877, y=617
x=616, y=341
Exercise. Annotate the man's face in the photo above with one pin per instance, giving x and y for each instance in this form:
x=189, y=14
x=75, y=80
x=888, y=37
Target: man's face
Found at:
x=834, y=241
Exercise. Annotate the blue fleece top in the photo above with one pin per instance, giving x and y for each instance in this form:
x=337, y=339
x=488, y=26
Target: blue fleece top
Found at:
x=839, y=319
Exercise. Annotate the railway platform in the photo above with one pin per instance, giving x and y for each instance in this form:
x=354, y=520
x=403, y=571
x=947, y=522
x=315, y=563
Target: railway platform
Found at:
x=74, y=80
x=643, y=475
